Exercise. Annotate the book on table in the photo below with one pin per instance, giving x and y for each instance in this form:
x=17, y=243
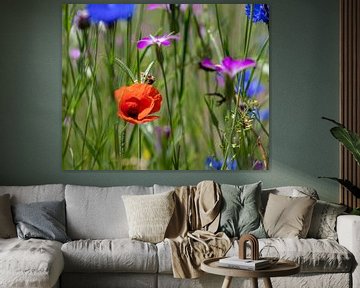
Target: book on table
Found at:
x=236, y=262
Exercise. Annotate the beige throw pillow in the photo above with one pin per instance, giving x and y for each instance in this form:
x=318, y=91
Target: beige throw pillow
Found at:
x=288, y=217
x=7, y=226
x=149, y=215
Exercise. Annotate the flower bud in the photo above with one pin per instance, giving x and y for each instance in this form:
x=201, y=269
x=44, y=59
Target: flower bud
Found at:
x=82, y=20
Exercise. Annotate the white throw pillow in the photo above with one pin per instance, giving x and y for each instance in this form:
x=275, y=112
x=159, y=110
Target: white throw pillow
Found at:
x=149, y=215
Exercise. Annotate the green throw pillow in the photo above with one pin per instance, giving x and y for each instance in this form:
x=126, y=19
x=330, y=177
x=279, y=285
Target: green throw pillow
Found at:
x=323, y=222
x=240, y=213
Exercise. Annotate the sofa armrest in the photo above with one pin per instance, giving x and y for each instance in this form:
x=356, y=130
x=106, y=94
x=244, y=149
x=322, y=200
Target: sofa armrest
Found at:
x=348, y=230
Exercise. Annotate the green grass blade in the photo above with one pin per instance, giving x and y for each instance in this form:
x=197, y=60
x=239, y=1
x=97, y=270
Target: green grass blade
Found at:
x=126, y=69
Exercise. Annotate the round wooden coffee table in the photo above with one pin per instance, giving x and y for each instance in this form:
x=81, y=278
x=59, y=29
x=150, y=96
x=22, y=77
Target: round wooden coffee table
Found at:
x=281, y=268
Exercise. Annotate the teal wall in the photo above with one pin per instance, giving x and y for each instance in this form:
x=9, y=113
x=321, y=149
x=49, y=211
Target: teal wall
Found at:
x=304, y=87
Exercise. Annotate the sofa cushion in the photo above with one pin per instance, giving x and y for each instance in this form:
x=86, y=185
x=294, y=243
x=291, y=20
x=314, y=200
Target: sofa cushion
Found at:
x=109, y=280
x=30, y=263
x=98, y=213
x=7, y=227
x=37, y=193
x=149, y=215
x=240, y=210
x=313, y=255
x=43, y=220
x=163, y=188
x=117, y=255
x=291, y=191
x=323, y=222
x=287, y=216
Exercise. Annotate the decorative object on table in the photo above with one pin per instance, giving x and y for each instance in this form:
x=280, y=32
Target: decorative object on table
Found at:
x=282, y=268
x=270, y=253
x=241, y=261
x=129, y=99
x=254, y=246
x=351, y=142
x=248, y=264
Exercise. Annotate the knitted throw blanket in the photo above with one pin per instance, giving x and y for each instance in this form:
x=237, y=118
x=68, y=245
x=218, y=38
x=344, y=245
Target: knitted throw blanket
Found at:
x=191, y=232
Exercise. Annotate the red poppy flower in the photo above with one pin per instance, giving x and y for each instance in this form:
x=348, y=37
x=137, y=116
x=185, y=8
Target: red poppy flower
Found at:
x=137, y=102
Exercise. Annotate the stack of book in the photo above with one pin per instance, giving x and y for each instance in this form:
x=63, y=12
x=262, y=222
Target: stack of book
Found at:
x=248, y=264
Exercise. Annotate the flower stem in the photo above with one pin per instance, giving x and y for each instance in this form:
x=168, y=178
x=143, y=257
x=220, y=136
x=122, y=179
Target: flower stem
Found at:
x=219, y=29
x=261, y=149
x=160, y=58
x=128, y=46
x=227, y=152
x=139, y=147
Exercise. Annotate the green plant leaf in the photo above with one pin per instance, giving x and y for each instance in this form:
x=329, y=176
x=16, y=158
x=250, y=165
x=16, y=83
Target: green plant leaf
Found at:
x=126, y=69
x=146, y=73
x=349, y=139
x=347, y=184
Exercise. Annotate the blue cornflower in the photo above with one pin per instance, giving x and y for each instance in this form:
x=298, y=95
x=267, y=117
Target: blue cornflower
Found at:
x=214, y=164
x=255, y=87
x=110, y=13
x=231, y=164
x=261, y=114
x=264, y=114
x=261, y=12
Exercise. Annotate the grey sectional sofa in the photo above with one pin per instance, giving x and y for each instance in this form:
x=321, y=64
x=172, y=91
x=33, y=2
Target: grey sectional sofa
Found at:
x=101, y=254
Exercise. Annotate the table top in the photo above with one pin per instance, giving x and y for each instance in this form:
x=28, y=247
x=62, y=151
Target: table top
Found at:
x=281, y=268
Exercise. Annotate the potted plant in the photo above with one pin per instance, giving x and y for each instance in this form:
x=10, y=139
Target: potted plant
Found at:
x=351, y=141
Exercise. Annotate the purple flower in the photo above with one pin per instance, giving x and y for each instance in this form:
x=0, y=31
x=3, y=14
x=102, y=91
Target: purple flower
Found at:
x=213, y=163
x=197, y=9
x=261, y=12
x=81, y=19
x=228, y=66
x=258, y=165
x=110, y=13
x=74, y=53
x=157, y=6
x=162, y=135
x=164, y=40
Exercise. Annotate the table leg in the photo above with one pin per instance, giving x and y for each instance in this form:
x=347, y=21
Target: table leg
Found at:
x=227, y=282
x=267, y=283
x=254, y=282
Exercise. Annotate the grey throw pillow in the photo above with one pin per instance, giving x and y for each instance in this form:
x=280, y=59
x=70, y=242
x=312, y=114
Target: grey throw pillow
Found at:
x=7, y=227
x=323, y=222
x=240, y=213
x=44, y=220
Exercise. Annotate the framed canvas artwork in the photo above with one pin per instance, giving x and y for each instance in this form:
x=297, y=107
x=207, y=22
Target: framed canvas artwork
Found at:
x=165, y=86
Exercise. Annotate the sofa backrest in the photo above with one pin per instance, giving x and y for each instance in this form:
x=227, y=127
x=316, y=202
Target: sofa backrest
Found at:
x=293, y=191
x=36, y=193
x=98, y=212
x=163, y=188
